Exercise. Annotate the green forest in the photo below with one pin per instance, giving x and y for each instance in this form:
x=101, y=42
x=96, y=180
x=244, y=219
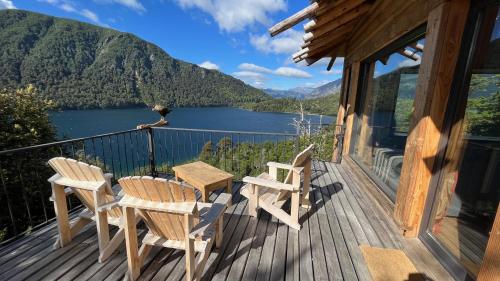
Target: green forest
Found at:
x=326, y=105
x=78, y=65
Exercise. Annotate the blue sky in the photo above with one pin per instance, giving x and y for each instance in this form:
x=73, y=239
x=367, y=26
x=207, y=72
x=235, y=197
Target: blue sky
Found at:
x=230, y=35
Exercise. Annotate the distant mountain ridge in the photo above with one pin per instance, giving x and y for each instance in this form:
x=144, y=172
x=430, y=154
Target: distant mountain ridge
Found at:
x=307, y=92
x=80, y=65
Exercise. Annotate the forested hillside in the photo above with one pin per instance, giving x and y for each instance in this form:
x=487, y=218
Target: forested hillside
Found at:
x=326, y=105
x=79, y=65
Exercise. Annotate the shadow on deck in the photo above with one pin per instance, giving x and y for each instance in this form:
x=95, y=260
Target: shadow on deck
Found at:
x=343, y=216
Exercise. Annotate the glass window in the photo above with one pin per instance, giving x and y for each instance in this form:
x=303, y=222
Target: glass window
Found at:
x=384, y=114
x=469, y=190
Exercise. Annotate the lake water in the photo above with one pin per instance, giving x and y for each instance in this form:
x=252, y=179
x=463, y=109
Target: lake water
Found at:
x=84, y=123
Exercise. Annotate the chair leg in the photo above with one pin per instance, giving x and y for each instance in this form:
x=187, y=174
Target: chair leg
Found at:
x=190, y=260
x=219, y=233
x=253, y=200
x=112, y=245
x=61, y=210
x=294, y=213
x=101, y=221
x=134, y=268
x=202, y=260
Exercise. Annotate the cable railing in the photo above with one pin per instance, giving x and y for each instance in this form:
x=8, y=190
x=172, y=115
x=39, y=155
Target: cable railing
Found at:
x=153, y=151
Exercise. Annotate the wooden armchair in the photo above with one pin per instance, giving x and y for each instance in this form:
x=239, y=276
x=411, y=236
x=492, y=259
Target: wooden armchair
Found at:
x=266, y=192
x=93, y=188
x=174, y=219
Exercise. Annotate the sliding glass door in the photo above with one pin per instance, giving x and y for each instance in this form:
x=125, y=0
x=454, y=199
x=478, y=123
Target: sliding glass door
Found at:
x=384, y=111
x=467, y=193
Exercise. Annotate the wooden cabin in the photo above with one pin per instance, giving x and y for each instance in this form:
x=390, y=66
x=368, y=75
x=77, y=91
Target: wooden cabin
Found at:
x=420, y=108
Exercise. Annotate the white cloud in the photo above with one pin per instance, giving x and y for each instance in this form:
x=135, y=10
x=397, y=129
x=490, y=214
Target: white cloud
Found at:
x=252, y=67
x=90, y=15
x=6, y=4
x=287, y=42
x=409, y=62
x=236, y=15
x=292, y=72
x=209, y=65
x=249, y=75
x=253, y=78
x=67, y=7
x=132, y=4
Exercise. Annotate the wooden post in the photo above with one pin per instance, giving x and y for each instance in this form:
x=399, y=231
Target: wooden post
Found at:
x=101, y=220
x=134, y=268
x=151, y=152
x=351, y=101
x=490, y=268
x=61, y=210
x=336, y=158
x=445, y=27
x=253, y=201
x=190, y=260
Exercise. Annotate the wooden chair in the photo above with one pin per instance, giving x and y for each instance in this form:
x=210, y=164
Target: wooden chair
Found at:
x=93, y=188
x=174, y=219
x=266, y=192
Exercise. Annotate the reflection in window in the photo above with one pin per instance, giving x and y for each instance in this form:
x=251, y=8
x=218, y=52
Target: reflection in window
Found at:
x=384, y=114
x=469, y=189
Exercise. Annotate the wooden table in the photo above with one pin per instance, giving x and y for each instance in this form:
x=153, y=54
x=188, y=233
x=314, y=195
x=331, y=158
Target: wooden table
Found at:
x=204, y=177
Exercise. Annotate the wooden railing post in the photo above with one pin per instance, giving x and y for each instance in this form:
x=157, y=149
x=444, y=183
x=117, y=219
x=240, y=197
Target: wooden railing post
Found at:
x=151, y=152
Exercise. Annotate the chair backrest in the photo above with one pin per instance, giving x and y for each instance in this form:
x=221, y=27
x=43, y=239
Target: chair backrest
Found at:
x=300, y=161
x=76, y=171
x=168, y=225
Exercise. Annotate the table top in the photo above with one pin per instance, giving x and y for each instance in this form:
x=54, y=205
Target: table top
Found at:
x=201, y=173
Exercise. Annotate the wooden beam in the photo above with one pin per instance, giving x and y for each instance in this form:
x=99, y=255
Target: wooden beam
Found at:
x=409, y=54
x=330, y=64
x=294, y=19
x=417, y=46
x=334, y=24
x=350, y=107
x=490, y=268
x=337, y=46
x=300, y=53
x=340, y=8
x=445, y=26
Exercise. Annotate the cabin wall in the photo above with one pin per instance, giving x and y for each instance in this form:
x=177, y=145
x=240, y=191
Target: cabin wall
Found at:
x=445, y=23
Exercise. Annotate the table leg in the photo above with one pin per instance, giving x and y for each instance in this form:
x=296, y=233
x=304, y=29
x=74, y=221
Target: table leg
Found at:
x=204, y=195
x=229, y=189
x=229, y=186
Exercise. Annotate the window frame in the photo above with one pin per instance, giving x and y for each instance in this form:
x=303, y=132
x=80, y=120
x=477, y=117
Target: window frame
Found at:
x=412, y=36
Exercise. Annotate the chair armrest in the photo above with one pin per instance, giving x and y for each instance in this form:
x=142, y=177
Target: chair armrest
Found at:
x=270, y=183
x=285, y=166
x=217, y=209
x=108, y=206
x=170, y=207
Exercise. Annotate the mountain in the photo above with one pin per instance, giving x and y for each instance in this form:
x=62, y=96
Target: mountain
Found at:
x=306, y=92
x=275, y=93
x=326, y=89
x=80, y=65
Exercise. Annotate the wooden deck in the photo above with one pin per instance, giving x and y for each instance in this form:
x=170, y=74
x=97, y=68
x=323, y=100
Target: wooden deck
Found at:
x=343, y=216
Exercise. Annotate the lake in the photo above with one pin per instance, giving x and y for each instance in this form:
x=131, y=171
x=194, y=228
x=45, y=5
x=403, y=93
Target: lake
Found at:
x=84, y=123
